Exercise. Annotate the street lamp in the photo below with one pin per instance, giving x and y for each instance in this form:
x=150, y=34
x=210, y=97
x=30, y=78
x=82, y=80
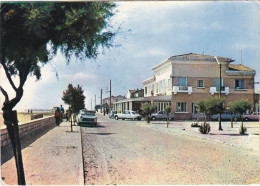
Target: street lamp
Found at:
x=171, y=76
x=219, y=115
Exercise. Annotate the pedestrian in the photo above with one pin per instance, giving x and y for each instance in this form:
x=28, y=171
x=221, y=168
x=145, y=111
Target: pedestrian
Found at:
x=57, y=116
x=61, y=113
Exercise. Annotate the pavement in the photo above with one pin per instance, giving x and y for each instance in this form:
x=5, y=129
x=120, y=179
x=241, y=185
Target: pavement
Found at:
x=53, y=159
x=229, y=136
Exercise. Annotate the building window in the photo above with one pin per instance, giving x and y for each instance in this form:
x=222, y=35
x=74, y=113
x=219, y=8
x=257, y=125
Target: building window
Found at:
x=145, y=90
x=240, y=84
x=194, y=108
x=200, y=84
x=181, y=107
x=182, y=81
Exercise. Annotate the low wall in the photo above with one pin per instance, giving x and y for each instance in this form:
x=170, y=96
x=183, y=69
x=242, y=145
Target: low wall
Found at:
x=28, y=128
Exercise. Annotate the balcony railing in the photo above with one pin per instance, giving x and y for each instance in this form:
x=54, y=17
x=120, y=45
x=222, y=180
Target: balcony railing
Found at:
x=177, y=89
x=224, y=90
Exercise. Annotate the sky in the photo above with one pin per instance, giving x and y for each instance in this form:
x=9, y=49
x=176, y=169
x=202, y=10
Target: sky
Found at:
x=150, y=32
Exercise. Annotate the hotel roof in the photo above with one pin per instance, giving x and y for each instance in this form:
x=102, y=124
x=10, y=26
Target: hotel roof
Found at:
x=239, y=67
x=193, y=57
x=199, y=57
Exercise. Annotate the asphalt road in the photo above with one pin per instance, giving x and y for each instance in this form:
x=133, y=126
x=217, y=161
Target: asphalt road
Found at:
x=121, y=152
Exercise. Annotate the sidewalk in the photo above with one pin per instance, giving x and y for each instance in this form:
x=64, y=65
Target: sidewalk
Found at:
x=228, y=136
x=53, y=159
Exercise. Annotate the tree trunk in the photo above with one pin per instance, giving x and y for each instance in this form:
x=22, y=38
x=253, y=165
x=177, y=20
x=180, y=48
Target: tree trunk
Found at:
x=10, y=119
x=231, y=118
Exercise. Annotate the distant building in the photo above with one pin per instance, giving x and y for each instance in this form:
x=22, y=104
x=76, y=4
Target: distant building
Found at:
x=113, y=99
x=135, y=93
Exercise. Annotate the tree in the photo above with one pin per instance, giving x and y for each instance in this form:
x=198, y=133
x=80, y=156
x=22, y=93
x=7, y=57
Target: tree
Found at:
x=168, y=111
x=201, y=105
x=74, y=96
x=32, y=33
x=148, y=109
x=214, y=105
x=231, y=113
x=240, y=107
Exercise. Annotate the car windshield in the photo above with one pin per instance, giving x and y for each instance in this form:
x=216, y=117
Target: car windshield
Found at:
x=87, y=113
x=133, y=112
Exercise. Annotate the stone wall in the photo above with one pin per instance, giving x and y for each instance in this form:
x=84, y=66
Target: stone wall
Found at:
x=28, y=128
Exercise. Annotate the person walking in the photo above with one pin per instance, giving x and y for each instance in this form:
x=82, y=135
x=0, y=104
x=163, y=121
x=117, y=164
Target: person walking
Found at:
x=57, y=116
x=61, y=113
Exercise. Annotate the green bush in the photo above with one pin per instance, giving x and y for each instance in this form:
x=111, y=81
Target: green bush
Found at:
x=195, y=124
x=204, y=128
x=242, y=130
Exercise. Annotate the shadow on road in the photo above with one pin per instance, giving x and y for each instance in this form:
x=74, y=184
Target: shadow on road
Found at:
x=7, y=151
x=229, y=134
x=101, y=133
x=89, y=126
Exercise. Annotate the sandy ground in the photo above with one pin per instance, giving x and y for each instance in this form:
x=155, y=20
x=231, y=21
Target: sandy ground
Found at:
x=24, y=117
x=130, y=152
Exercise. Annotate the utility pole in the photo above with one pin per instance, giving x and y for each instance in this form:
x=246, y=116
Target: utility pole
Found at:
x=219, y=94
x=91, y=103
x=95, y=100
x=110, y=94
x=101, y=102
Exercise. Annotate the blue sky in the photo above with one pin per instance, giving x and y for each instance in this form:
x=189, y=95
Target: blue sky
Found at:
x=158, y=30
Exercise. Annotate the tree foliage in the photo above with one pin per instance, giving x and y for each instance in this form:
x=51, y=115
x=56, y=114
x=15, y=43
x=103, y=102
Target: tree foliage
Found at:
x=74, y=96
x=148, y=109
x=240, y=107
x=33, y=32
x=214, y=105
x=201, y=106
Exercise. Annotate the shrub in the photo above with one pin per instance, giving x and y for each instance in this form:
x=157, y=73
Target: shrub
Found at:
x=195, y=124
x=204, y=128
x=242, y=130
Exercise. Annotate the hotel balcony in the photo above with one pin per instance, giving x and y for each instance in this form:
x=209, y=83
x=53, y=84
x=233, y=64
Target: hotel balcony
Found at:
x=182, y=89
x=224, y=90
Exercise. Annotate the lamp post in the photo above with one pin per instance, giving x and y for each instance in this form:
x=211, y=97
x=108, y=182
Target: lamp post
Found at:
x=171, y=76
x=219, y=115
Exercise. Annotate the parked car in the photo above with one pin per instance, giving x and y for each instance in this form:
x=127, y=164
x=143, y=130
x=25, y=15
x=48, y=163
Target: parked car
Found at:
x=161, y=115
x=128, y=114
x=86, y=117
x=252, y=117
x=224, y=116
x=112, y=114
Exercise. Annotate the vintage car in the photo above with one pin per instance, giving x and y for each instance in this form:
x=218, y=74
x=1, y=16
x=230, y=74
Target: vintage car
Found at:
x=252, y=117
x=128, y=114
x=86, y=117
x=225, y=116
x=161, y=115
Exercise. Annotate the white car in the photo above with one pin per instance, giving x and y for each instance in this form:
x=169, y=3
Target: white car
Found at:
x=87, y=117
x=128, y=114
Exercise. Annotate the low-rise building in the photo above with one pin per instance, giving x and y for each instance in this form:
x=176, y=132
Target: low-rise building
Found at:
x=191, y=77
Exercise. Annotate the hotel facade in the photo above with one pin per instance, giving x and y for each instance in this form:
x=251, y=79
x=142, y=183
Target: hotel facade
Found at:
x=189, y=78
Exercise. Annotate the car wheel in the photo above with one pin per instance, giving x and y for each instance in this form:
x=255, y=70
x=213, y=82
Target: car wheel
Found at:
x=139, y=119
x=153, y=118
x=116, y=117
x=246, y=119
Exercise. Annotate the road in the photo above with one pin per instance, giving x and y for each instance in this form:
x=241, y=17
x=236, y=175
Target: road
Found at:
x=122, y=152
